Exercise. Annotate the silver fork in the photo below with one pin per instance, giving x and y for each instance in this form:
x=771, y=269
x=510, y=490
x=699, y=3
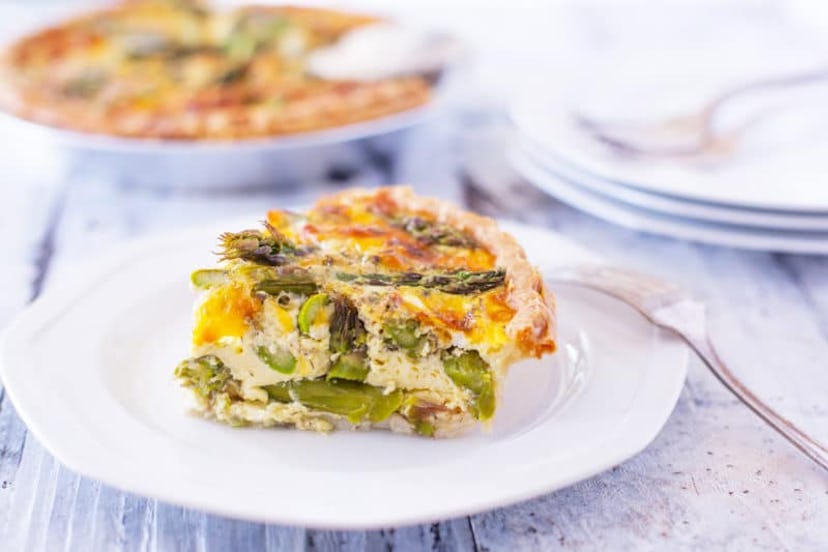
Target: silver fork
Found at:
x=693, y=134
x=670, y=307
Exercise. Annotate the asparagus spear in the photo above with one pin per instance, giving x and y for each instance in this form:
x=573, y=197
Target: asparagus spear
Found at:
x=435, y=233
x=288, y=284
x=206, y=376
x=470, y=371
x=459, y=282
x=349, y=366
x=309, y=311
x=356, y=401
x=347, y=331
x=208, y=277
x=403, y=334
x=278, y=359
x=348, y=338
x=269, y=247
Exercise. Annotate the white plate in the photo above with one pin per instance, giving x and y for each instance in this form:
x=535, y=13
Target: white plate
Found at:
x=710, y=212
x=656, y=223
x=789, y=177
x=88, y=367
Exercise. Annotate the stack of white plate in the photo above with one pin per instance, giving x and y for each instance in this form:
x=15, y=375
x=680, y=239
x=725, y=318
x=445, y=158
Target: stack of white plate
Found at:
x=765, y=196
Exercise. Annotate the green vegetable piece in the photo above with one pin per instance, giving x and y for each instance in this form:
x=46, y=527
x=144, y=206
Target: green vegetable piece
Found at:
x=485, y=403
x=279, y=392
x=310, y=310
x=208, y=277
x=468, y=370
x=286, y=285
x=85, y=85
x=206, y=376
x=349, y=366
x=354, y=400
x=345, y=277
x=240, y=46
x=471, y=372
x=456, y=282
x=350, y=399
x=269, y=248
x=422, y=427
x=280, y=360
x=432, y=232
x=385, y=405
x=404, y=334
x=347, y=330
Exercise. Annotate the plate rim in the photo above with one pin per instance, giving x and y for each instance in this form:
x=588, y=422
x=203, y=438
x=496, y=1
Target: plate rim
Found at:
x=56, y=300
x=103, y=143
x=644, y=220
x=515, y=114
x=767, y=219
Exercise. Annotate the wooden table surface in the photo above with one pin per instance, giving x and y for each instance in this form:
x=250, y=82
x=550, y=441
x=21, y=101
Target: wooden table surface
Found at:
x=715, y=477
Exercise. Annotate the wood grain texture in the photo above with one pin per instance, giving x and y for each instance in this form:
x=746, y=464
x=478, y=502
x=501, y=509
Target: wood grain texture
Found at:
x=715, y=478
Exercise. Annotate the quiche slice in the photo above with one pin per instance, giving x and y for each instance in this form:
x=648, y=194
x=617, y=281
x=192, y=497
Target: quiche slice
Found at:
x=372, y=309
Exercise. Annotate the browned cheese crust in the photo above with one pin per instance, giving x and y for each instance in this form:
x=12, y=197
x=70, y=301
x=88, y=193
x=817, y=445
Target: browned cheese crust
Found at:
x=533, y=325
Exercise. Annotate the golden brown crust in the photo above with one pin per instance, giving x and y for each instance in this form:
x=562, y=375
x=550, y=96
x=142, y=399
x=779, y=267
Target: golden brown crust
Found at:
x=533, y=325
x=175, y=95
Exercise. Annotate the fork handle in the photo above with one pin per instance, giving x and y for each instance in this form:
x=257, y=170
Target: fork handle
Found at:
x=808, y=445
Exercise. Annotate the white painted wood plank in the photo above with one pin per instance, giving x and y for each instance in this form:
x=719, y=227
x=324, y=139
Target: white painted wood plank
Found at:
x=32, y=499
x=105, y=517
x=710, y=481
x=28, y=202
x=335, y=541
x=437, y=537
x=289, y=539
x=811, y=273
x=715, y=477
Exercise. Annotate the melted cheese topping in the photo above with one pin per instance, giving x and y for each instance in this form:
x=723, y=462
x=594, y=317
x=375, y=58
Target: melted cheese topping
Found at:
x=482, y=319
x=370, y=236
x=362, y=231
x=224, y=313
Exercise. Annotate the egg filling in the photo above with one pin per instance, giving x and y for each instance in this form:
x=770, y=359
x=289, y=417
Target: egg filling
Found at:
x=351, y=315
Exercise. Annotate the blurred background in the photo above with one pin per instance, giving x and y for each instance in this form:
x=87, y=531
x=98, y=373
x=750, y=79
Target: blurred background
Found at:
x=674, y=53
x=515, y=44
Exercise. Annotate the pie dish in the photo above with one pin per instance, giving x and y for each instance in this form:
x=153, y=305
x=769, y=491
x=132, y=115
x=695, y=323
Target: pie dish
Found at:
x=373, y=309
x=176, y=70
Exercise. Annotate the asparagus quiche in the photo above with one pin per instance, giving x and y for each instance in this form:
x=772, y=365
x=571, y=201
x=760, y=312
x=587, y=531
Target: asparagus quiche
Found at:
x=175, y=69
x=372, y=309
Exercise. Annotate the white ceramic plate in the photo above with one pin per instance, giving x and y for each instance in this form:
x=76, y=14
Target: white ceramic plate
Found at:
x=670, y=205
x=652, y=222
x=789, y=176
x=88, y=367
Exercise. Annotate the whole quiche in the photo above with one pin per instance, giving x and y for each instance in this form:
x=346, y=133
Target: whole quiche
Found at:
x=175, y=69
